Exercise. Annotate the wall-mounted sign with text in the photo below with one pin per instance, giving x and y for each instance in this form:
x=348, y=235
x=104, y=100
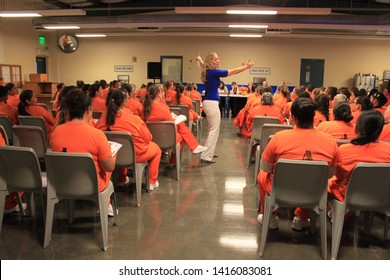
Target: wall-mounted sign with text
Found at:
x=260, y=71
x=123, y=68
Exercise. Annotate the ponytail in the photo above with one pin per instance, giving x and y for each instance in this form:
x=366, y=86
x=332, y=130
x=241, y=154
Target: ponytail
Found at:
x=152, y=94
x=25, y=96
x=114, y=102
x=179, y=92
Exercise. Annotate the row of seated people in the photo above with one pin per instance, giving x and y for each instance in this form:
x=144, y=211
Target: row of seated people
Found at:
x=75, y=115
x=336, y=117
x=306, y=142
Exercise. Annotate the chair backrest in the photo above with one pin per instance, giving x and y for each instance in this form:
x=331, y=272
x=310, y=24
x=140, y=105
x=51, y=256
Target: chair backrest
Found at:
x=164, y=134
x=34, y=121
x=196, y=105
x=258, y=123
x=268, y=130
x=96, y=114
x=4, y=134
x=302, y=183
x=342, y=142
x=184, y=111
x=71, y=175
x=175, y=110
x=21, y=165
x=126, y=154
x=30, y=136
x=369, y=187
x=7, y=125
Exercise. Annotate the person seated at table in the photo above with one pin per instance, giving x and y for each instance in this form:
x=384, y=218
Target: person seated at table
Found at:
x=180, y=99
x=13, y=95
x=341, y=127
x=96, y=93
x=133, y=103
x=154, y=110
x=222, y=89
x=234, y=88
x=117, y=118
x=264, y=108
x=378, y=100
x=362, y=103
x=363, y=148
x=28, y=106
x=385, y=135
x=6, y=109
x=76, y=136
x=302, y=142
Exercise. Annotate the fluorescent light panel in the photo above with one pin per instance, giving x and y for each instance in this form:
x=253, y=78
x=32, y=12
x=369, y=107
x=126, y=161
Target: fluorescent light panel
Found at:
x=19, y=14
x=62, y=27
x=246, y=35
x=247, y=26
x=251, y=12
x=90, y=35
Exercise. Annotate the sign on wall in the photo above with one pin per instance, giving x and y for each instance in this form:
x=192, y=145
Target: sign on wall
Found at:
x=260, y=71
x=123, y=68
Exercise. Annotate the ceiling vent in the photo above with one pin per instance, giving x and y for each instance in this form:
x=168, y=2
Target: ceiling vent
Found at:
x=147, y=29
x=278, y=31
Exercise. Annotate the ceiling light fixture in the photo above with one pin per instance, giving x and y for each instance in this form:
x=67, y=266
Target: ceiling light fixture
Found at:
x=90, y=35
x=246, y=35
x=19, y=14
x=251, y=12
x=62, y=27
x=247, y=26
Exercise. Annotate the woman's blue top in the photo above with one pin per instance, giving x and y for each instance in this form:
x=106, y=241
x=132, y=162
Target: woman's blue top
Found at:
x=212, y=83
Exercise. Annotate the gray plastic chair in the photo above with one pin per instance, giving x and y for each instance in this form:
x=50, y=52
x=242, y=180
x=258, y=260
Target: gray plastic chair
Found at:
x=44, y=106
x=258, y=123
x=266, y=132
x=35, y=121
x=31, y=136
x=184, y=111
x=20, y=172
x=126, y=159
x=196, y=108
x=73, y=176
x=368, y=190
x=96, y=115
x=4, y=134
x=164, y=135
x=7, y=125
x=298, y=183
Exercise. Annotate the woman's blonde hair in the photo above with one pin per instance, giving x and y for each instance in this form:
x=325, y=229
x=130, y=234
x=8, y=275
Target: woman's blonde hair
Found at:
x=207, y=65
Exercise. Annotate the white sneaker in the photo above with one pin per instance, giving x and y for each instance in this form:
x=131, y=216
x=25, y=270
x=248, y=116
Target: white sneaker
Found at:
x=299, y=224
x=154, y=186
x=199, y=149
x=273, y=222
x=126, y=183
x=15, y=209
x=110, y=211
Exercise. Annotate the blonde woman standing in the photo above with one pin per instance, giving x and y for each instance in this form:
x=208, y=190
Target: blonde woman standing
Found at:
x=210, y=76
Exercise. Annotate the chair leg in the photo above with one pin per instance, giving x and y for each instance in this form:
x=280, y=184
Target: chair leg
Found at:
x=264, y=228
x=3, y=195
x=178, y=162
x=249, y=153
x=103, y=210
x=49, y=222
x=257, y=165
x=138, y=182
x=323, y=233
x=356, y=228
x=70, y=204
x=386, y=227
x=338, y=213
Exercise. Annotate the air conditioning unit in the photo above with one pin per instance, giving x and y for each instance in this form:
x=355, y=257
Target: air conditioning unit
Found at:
x=277, y=31
x=148, y=29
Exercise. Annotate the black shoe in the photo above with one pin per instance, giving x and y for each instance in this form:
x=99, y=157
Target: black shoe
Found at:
x=207, y=161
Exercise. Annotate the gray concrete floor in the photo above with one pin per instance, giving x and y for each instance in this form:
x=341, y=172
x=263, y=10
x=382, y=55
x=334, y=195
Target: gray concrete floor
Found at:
x=209, y=215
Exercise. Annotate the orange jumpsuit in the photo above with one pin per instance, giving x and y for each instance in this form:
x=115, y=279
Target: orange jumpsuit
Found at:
x=47, y=117
x=350, y=155
x=318, y=118
x=98, y=104
x=338, y=129
x=13, y=100
x=160, y=112
x=145, y=149
x=135, y=106
x=169, y=94
x=195, y=95
x=79, y=137
x=293, y=144
x=355, y=115
x=281, y=102
x=185, y=100
x=142, y=93
x=10, y=111
x=261, y=110
x=385, y=135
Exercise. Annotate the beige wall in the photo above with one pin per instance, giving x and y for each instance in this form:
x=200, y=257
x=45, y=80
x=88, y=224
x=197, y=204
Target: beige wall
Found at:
x=96, y=57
